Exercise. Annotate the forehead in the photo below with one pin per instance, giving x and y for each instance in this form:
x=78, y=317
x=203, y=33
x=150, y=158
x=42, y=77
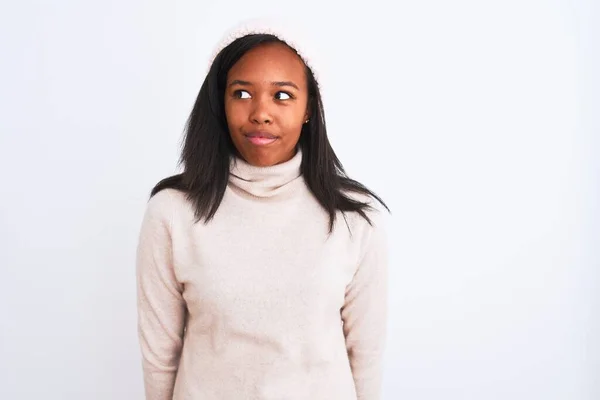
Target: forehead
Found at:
x=269, y=62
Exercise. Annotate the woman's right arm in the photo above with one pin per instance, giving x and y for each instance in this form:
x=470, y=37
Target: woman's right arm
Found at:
x=161, y=308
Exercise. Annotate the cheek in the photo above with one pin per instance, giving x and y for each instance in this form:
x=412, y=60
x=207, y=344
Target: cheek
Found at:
x=294, y=120
x=234, y=114
x=293, y=124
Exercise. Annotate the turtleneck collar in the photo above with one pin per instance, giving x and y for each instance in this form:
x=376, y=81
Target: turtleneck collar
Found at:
x=264, y=181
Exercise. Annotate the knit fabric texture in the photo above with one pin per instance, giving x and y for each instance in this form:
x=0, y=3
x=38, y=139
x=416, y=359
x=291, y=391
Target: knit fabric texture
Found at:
x=262, y=302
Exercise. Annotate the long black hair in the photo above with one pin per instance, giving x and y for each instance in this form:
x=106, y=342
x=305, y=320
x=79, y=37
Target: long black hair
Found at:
x=207, y=145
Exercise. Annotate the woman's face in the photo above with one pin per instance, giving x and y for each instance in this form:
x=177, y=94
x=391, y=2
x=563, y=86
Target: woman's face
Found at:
x=266, y=104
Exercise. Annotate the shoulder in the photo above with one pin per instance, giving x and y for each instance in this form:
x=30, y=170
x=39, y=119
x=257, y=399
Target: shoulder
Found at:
x=165, y=203
x=372, y=228
x=160, y=202
x=374, y=210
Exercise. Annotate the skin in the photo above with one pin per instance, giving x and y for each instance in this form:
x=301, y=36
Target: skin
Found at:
x=267, y=92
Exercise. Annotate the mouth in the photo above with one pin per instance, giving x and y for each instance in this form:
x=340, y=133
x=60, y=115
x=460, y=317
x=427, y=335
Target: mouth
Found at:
x=260, y=138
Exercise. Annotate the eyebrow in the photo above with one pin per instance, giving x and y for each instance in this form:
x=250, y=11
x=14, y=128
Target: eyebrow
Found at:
x=278, y=83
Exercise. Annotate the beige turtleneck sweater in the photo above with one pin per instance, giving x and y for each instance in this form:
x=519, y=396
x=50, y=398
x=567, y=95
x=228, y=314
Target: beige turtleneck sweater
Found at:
x=261, y=303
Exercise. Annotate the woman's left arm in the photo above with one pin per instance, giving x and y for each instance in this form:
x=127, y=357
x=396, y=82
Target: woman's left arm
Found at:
x=364, y=314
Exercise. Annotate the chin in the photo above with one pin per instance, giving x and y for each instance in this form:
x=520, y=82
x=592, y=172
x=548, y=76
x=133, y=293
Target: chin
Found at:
x=261, y=157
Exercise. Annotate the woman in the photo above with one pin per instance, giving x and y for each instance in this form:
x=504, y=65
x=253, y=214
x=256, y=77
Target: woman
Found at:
x=261, y=268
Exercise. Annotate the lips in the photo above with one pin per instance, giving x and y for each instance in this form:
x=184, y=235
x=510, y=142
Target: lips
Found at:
x=261, y=134
x=261, y=138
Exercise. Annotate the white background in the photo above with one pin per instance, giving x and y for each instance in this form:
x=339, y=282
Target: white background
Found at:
x=477, y=121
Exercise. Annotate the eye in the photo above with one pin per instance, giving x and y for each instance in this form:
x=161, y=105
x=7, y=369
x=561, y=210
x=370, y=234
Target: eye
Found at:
x=241, y=94
x=283, y=96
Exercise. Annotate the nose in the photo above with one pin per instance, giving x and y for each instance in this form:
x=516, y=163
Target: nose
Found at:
x=260, y=113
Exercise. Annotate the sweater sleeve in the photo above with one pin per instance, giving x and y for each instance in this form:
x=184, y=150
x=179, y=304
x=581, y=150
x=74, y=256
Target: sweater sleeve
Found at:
x=364, y=314
x=161, y=308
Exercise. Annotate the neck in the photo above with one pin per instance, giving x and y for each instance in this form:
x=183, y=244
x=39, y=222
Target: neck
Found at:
x=264, y=181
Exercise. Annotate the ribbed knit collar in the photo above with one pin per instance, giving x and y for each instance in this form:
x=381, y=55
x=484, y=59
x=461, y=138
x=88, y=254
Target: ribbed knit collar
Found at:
x=264, y=181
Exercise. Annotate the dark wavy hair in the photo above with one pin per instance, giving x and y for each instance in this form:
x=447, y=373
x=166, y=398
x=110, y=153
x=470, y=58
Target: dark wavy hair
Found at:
x=207, y=145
